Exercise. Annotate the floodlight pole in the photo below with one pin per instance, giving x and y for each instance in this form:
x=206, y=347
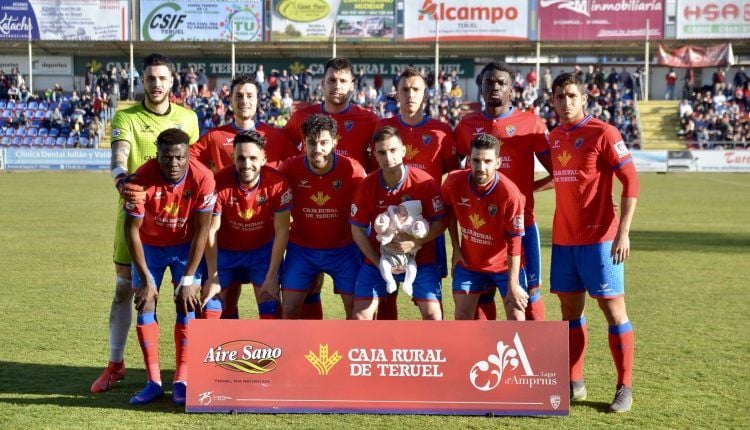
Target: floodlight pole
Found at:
x=131, y=78
x=334, y=36
x=436, y=72
x=231, y=23
x=646, y=68
x=31, y=67
x=538, y=52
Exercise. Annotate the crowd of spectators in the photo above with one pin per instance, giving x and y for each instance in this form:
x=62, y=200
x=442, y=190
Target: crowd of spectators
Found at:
x=82, y=116
x=716, y=116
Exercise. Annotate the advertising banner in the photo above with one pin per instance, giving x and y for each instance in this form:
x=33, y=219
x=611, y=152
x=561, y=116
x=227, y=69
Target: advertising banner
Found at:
x=2, y=159
x=221, y=67
x=649, y=160
x=600, y=19
x=44, y=65
x=466, y=20
x=312, y=20
x=721, y=161
x=405, y=367
x=713, y=19
x=697, y=56
x=57, y=159
x=64, y=20
x=202, y=20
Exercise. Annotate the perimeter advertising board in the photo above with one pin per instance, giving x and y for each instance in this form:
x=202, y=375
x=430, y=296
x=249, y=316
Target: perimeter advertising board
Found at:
x=466, y=20
x=56, y=159
x=42, y=65
x=312, y=20
x=713, y=19
x=406, y=367
x=600, y=19
x=202, y=20
x=64, y=20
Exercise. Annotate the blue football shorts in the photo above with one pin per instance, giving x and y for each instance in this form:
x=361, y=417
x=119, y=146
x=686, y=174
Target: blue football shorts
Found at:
x=581, y=268
x=302, y=265
x=427, y=285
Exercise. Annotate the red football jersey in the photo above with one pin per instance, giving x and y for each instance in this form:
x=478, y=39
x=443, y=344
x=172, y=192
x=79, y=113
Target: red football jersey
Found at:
x=372, y=198
x=356, y=126
x=521, y=134
x=490, y=224
x=584, y=158
x=168, y=206
x=247, y=214
x=320, y=216
x=215, y=148
x=430, y=145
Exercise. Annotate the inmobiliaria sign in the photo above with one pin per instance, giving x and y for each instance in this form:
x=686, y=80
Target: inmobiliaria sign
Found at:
x=408, y=367
x=600, y=19
x=466, y=20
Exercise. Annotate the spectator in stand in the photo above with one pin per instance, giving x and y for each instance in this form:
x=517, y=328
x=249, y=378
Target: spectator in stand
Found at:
x=456, y=93
x=202, y=79
x=303, y=85
x=589, y=77
x=12, y=92
x=283, y=82
x=740, y=78
x=260, y=78
x=688, y=90
x=685, y=108
x=23, y=93
x=547, y=80
x=531, y=78
x=626, y=81
x=718, y=76
x=191, y=79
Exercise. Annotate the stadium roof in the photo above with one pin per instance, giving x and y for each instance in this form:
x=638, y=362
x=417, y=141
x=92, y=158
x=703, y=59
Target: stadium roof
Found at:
x=357, y=50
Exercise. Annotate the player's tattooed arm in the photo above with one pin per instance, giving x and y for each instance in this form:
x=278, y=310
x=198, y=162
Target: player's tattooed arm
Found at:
x=120, y=154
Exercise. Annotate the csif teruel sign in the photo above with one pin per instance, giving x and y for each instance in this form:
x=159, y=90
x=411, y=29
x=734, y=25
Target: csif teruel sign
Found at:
x=380, y=367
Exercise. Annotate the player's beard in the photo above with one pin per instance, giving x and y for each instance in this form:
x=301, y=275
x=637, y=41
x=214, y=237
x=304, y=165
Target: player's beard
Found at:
x=248, y=177
x=320, y=162
x=158, y=99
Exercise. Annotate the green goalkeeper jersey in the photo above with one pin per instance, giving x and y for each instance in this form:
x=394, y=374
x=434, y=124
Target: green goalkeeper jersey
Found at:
x=140, y=127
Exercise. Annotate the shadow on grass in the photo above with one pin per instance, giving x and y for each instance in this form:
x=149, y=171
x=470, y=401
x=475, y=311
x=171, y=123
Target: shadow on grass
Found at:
x=689, y=241
x=595, y=406
x=59, y=385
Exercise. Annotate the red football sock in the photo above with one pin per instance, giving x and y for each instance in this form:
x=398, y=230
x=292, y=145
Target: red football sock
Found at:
x=536, y=309
x=622, y=346
x=577, y=336
x=486, y=311
x=148, y=337
x=181, y=350
x=230, y=308
x=210, y=314
x=311, y=311
x=388, y=307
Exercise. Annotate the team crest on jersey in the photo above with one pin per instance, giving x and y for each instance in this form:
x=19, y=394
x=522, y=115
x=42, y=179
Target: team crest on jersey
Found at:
x=621, y=149
x=337, y=184
x=578, y=142
x=492, y=209
x=426, y=139
x=510, y=129
x=518, y=222
x=116, y=132
x=437, y=204
x=348, y=125
x=260, y=199
x=564, y=157
x=187, y=194
x=476, y=221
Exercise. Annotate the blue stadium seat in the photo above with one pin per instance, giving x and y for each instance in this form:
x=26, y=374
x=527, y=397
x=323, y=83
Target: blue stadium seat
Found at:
x=32, y=131
x=71, y=141
x=54, y=132
x=21, y=105
x=50, y=141
x=52, y=106
x=85, y=143
x=43, y=105
x=2, y=104
x=7, y=113
x=5, y=141
x=17, y=141
x=28, y=141
x=11, y=104
x=60, y=142
x=33, y=104
x=21, y=131
x=10, y=132
x=44, y=132
x=40, y=114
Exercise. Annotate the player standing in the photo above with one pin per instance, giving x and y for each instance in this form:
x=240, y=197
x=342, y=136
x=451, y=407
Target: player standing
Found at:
x=430, y=146
x=488, y=208
x=214, y=149
x=522, y=136
x=323, y=183
x=589, y=242
x=250, y=226
x=134, y=132
x=169, y=229
x=355, y=126
x=392, y=184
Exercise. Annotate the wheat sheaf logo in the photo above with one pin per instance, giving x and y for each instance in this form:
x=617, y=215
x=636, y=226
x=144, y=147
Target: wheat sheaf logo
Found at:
x=320, y=198
x=246, y=214
x=411, y=152
x=564, y=158
x=246, y=356
x=323, y=362
x=476, y=221
x=172, y=208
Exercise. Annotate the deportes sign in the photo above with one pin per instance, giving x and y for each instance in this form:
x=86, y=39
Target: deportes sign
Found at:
x=68, y=20
x=600, y=19
x=57, y=159
x=713, y=19
x=197, y=20
x=46, y=65
x=466, y=20
x=452, y=367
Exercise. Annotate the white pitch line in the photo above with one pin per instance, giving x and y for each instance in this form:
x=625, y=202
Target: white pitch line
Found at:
x=391, y=401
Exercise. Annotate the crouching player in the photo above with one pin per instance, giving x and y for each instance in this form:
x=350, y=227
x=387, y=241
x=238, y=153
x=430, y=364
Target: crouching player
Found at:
x=488, y=208
x=250, y=226
x=168, y=229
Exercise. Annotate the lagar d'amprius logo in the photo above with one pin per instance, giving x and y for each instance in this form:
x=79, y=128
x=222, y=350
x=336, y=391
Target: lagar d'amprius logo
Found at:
x=246, y=356
x=510, y=366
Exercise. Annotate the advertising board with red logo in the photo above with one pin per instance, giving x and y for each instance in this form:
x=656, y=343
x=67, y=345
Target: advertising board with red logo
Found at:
x=713, y=19
x=388, y=367
x=466, y=20
x=600, y=19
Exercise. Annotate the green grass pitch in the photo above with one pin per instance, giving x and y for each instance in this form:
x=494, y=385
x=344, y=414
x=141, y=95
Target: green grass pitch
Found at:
x=687, y=294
